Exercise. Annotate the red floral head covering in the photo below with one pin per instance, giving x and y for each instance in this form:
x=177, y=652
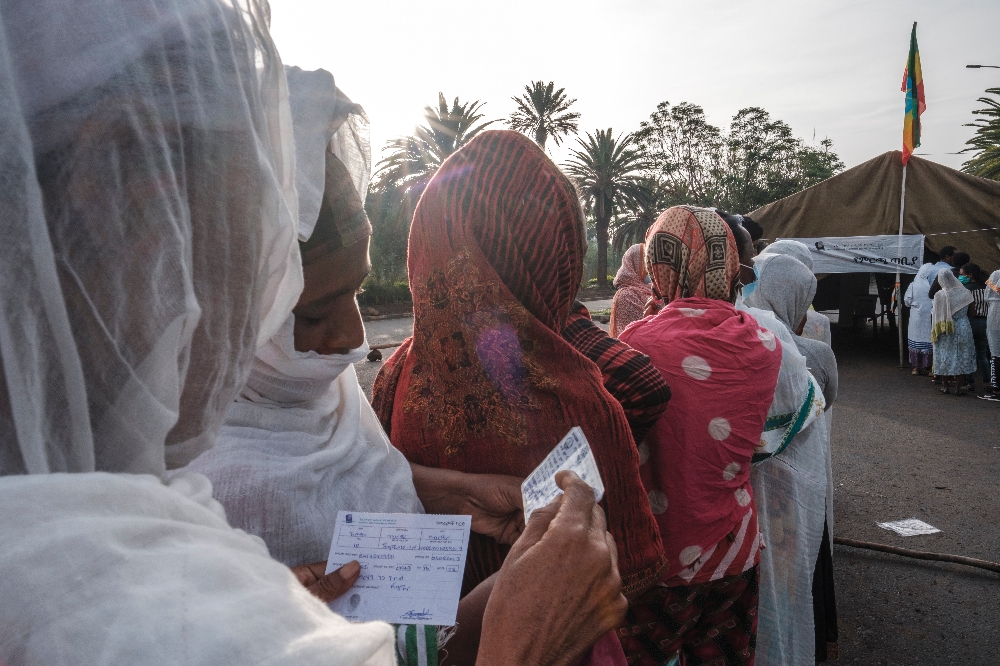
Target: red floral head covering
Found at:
x=487, y=384
x=691, y=252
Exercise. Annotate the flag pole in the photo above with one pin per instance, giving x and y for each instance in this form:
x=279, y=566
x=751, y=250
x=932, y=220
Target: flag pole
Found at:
x=899, y=295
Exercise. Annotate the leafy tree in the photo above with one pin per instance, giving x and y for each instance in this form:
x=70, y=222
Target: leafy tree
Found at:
x=412, y=160
x=608, y=174
x=818, y=164
x=630, y=228
x=683, y=151
x=986, y=164
x=760, y=161
x=544, y=112
x=756, y=161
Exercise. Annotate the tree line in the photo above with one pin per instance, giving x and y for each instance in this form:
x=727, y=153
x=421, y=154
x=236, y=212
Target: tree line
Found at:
x=626, y=179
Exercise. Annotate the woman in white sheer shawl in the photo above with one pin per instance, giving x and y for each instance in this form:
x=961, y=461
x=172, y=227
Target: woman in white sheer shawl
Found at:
x=150, y=214
x=791, y=519
x=796, y=486
x=918, y=330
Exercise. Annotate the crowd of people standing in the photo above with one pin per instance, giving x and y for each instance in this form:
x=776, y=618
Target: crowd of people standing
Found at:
x=181, y=420
x=953, y=334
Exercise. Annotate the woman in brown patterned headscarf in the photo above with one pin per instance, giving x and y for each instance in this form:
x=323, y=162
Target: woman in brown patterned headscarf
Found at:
x=487, y=383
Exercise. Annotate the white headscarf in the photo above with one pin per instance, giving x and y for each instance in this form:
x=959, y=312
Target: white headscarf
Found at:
x=817, y=324
x=791, y=248
x=301, y=442
x=786, y=287
x=952, y=298
x=920, y=304
x=148, y=170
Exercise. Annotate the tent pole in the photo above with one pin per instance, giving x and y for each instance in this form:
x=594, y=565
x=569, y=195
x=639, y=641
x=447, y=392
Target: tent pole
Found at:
x=899, y=295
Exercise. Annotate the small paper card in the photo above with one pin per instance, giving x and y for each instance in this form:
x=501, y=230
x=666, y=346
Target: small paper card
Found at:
x=909, y=527
x=572, y=453
x=411, y=566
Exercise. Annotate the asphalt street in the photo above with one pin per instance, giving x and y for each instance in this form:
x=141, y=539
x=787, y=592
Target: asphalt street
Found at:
x=900, y=450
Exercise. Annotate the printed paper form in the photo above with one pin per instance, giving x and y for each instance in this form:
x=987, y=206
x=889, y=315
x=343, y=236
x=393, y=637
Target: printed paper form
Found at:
x=572, y=453
x=411, y=566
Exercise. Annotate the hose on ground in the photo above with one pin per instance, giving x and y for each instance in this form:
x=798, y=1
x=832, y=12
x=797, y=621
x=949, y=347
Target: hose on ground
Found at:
x=919, y=554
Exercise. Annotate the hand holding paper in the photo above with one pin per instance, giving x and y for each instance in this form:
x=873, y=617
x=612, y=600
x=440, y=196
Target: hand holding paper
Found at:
x=572, y=453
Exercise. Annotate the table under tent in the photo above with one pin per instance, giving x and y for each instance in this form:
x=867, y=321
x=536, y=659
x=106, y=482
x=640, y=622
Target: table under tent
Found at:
x=845, y=221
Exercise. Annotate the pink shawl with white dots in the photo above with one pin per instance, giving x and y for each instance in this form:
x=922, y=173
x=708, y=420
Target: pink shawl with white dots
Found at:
x=722, y=369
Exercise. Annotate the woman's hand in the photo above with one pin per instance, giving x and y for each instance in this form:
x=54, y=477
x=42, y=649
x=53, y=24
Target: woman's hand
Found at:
x=493, y=500
x=653, y=306
x=327, y=586
x=559, y=589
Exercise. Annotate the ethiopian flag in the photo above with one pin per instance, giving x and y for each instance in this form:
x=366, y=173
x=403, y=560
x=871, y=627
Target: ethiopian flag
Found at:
x=913, y=86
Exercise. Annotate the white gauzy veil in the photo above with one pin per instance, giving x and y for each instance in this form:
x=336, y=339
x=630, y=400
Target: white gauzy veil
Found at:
x=148, y=209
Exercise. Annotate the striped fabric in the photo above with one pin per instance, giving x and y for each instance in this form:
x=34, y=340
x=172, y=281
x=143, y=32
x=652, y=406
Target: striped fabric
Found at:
x=980, y=306
x=416, y=645
x=487, y=383
x=628, y=375
x=735, y=553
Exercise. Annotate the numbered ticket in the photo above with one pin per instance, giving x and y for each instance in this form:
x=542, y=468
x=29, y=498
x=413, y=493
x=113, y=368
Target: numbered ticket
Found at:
x=572, y=453
x=411, y=566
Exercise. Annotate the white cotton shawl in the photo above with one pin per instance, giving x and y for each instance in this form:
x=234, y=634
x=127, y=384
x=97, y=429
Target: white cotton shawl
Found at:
x=121, y=569
x=952, y=298
x=793, y=497
x=299, y=444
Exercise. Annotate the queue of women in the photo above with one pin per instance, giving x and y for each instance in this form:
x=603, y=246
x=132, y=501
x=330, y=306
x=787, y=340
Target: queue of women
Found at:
x=180, y=420
x=954, y=330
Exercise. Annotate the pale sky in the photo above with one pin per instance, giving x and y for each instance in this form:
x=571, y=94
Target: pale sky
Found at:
x=832, y=67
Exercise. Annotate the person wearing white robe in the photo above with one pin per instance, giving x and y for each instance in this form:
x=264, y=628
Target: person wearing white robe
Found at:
x=918, y=330
x=790, y=479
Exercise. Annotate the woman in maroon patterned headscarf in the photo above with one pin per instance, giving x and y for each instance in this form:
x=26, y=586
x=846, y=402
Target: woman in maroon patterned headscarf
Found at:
x=633, y=293
x=487, y=383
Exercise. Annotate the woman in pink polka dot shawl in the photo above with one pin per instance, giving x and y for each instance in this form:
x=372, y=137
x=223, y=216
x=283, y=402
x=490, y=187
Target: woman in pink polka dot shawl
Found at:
x=722, y=368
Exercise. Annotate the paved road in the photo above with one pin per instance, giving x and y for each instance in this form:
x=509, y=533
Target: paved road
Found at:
x=903, y=450
x=900, y=450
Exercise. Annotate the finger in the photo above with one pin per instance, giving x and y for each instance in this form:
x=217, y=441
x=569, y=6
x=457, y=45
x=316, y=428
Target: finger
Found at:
x=307, y=574
x=535, y=528
x=336, y=583
x=578, y=499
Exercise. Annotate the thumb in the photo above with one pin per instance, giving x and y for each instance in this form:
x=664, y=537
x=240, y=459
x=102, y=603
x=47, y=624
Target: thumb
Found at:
x=534, y=529
x=336, y=583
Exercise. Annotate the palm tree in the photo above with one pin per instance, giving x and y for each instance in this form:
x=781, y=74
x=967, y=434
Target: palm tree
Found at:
x=413, y=160
x=544, y=112
x=631, y=228
x=607, y=174
x=986, y=164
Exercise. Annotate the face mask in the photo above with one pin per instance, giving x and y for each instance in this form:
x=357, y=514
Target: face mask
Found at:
x=750, y=288
x=964, y=279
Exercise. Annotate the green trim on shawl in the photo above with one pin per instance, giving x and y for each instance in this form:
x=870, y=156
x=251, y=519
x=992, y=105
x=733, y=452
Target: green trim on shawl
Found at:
x=417, y=654
x=793, y=428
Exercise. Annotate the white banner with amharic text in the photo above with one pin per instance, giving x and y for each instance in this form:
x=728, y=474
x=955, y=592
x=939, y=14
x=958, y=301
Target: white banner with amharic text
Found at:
x=865, y=254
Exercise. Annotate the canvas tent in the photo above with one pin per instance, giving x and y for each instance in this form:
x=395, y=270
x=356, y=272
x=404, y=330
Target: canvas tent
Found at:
x=948, y=206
